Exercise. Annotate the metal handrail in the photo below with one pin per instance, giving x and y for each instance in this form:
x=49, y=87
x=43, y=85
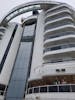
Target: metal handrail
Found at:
x=52, y=88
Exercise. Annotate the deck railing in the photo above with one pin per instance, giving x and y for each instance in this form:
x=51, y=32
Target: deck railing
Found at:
x=52, y=88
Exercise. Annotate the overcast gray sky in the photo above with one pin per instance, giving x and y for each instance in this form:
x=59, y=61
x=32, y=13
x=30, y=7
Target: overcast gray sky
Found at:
x=7, y=5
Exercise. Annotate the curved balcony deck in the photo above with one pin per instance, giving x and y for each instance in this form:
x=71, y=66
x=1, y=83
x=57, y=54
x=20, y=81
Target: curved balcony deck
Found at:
x=56, y=13
x=58, y=7
x=60, y=29
x=66, y=18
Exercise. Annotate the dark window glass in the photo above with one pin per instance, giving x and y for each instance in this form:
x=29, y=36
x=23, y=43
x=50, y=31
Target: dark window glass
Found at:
x=73, y=88
x=2, y=87
x=30, y=91
x=43, y=89
x=56, y=48
x=36, y=90
x=64, y=88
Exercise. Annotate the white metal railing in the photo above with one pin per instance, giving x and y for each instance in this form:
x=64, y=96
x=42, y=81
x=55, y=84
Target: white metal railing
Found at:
x=52, y=88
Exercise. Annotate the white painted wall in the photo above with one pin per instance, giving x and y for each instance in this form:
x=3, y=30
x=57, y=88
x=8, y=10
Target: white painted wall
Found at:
x=50, y=69
x=51, y=96
x=1, y=97
x=8, y=65
x=5, y=40
x=38, y=70
x=38, y=48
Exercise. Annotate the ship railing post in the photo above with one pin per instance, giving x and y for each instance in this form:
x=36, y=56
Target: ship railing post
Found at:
x=70, y=87
x=57, y=88
x=32, y=89
x=47, y=88
x=39, y=89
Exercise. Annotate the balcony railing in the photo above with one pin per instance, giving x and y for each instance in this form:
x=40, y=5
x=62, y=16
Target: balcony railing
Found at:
x=59, y=60
x=58, y=24
x=58, y=35
x=63, y=46
x=57, y=10
x=52, y=88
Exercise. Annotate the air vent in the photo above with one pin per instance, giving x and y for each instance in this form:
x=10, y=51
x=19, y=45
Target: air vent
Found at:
x=57, y=70
x=63, y=70
x=60, y=70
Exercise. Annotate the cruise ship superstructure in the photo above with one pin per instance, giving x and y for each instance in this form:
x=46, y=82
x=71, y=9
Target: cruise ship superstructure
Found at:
x=37, y=57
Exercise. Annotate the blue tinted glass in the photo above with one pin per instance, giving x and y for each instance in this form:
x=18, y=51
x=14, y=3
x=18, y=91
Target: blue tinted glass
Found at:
x=14, y=99
x=29, y=30
x=23, y=55
x=16, y=89
x=17, y=83
x=19, y=74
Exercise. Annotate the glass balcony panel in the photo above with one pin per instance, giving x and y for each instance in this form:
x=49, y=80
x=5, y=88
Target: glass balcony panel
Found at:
x=73, y=88
x=30, y=90
x=53, y=89
x=64, y=88
x=43, y=89
x=36, y=90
